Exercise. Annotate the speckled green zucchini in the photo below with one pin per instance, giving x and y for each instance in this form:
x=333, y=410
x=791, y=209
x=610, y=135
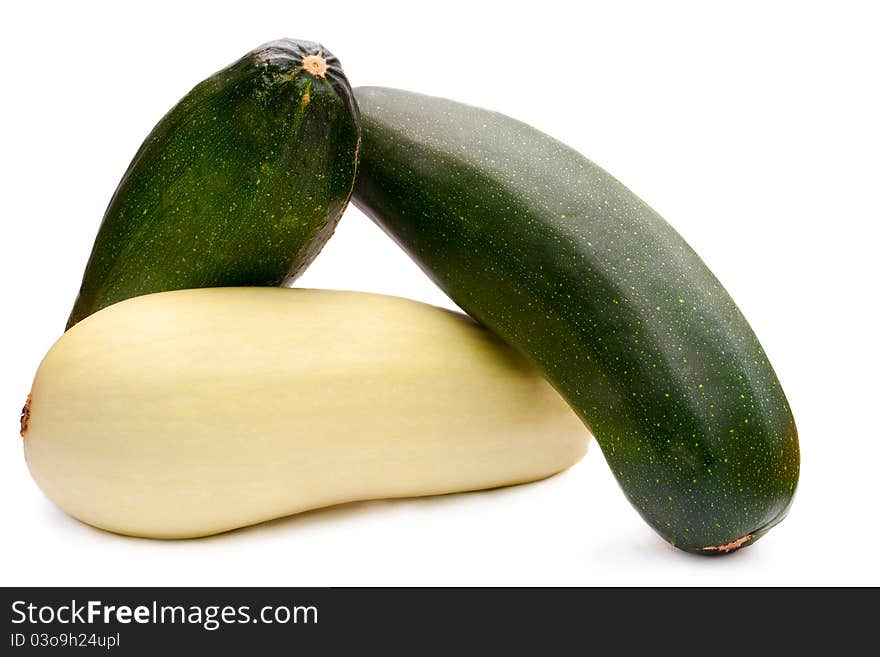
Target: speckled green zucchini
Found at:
x=241, y=183
x=569, y=266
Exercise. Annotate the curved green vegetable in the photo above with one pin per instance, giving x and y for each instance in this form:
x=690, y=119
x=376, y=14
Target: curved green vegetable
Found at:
x=241, y=183
x=569, y=266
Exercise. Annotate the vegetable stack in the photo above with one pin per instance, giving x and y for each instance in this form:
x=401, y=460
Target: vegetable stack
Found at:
x=281, y=401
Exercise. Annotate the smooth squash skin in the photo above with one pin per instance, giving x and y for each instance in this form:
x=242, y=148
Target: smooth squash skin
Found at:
x=193, y=412
x=589, y=283
x=241, y=183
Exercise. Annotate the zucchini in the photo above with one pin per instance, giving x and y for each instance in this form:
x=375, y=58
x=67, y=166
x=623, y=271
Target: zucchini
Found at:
x=192, y=412
x=569, y=266
x=241, y=183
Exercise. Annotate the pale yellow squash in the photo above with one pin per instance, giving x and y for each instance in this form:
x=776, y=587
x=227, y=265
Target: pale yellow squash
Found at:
x=193, y=412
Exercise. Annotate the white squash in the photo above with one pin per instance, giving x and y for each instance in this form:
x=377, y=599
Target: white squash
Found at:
x=193, y=412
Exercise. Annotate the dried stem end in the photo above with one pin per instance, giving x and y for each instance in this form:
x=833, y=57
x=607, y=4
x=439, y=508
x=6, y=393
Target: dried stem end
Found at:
x=730, y=547
x=315, y=64
x=25, y=416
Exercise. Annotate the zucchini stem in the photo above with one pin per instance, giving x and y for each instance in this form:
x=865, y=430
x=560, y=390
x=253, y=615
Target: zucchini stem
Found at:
x=315, y=64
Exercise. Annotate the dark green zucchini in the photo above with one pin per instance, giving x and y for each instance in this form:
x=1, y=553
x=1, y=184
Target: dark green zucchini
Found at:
x=241, y=183
x=570, y=267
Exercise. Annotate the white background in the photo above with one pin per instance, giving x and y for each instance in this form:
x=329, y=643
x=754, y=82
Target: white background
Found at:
x=752, y=127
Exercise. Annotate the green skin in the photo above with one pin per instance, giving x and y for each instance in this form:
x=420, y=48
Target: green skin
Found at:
x=241, y=183
x=570, y=267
